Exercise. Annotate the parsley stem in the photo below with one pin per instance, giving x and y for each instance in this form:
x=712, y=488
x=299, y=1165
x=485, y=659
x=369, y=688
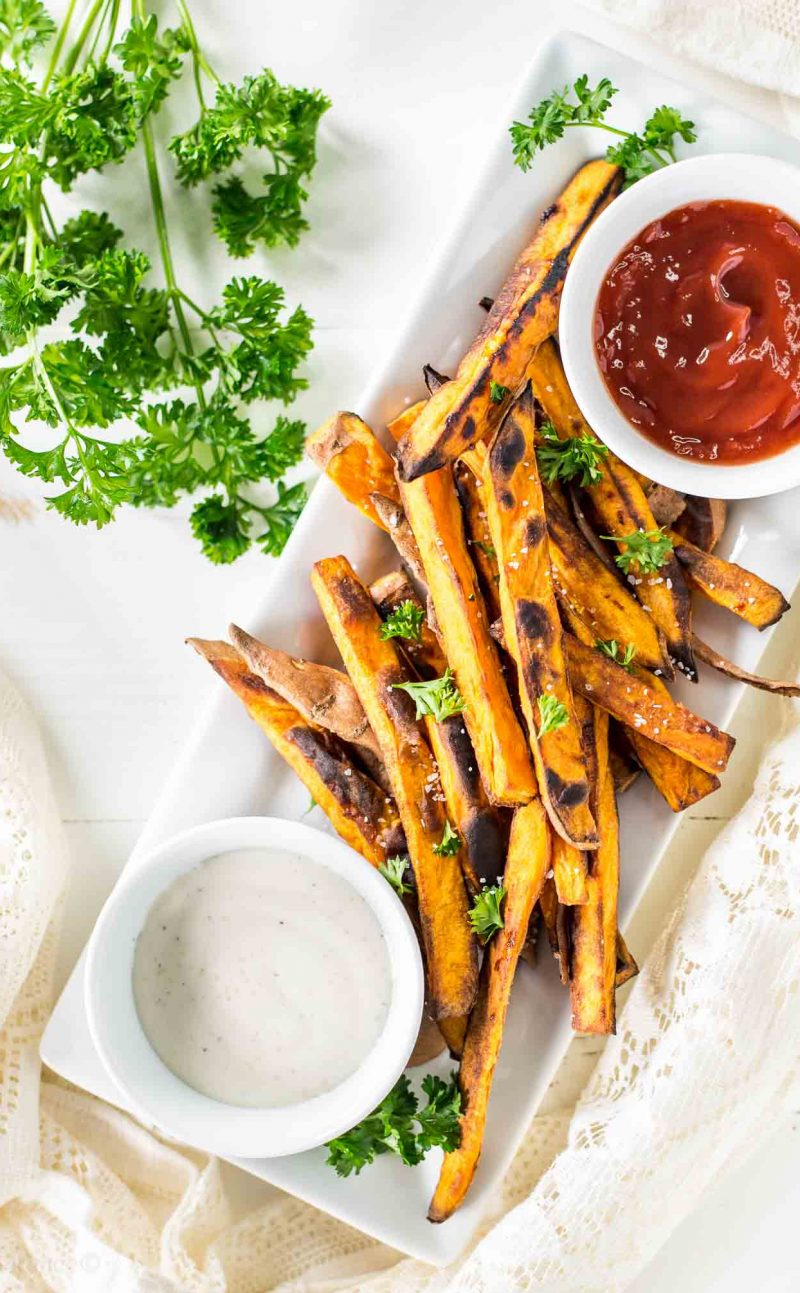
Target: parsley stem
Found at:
x=60, y=42
x=83, y=35
x=199, y=61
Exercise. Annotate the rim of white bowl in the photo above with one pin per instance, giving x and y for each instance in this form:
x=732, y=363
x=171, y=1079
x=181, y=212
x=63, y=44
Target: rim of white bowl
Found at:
x=152, y=1090
x=745, y=177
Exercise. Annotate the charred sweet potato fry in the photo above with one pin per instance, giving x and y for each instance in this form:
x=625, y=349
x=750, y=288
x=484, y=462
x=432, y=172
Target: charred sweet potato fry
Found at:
x=472, y=493
x=525, y=312
x=726, y=584
x=468, y=809
x=702, y=522
x=645, y=708
x=621, y=507
x=532, y=626
x=595, y=595
x=626, y=965
x=554, y=921
x=593, y=925
x=711, y=657
x=364, y=816
x=404, y=421
x=526, y=867
x=346, y=449
x=434, y=512
x=393, y=519
x=377, y=671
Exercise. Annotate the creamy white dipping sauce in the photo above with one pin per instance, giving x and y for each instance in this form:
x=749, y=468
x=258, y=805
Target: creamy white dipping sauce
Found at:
x=261, y=978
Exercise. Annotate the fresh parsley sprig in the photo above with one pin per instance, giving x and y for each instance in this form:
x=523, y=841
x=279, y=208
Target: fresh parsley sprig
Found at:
x=439, y=698
x=638, y=154
x=149, y=399
x=393, y=870
x=486, y=915
x=399, y=1126
x=646, y=551
x=623, y=656
x=577, y=457
x=553, y=714
x=405, y=621
x=449, y=844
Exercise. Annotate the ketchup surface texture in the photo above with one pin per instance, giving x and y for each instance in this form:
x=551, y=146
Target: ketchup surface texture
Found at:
x=697, y=331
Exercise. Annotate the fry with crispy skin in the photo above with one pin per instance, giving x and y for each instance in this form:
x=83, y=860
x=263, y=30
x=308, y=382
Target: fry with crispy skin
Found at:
x=681, y=783
x=644, y=707
x=728, y=585
x=434, y=513
x=376, y=671
x=346, y=449
x=593, y=933
x=525, y=312
x=359, y=811
x=626, y=965
x=526, y=867
x=589, y=590
x=531, y=622
x=621, y=505
x=472, y=494
x=702, y=521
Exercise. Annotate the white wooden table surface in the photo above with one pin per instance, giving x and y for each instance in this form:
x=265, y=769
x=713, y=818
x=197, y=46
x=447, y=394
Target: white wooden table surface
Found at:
x=93, y=623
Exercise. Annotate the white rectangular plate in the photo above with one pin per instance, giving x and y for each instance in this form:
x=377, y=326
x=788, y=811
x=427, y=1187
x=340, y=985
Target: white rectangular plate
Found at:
x=227, y=767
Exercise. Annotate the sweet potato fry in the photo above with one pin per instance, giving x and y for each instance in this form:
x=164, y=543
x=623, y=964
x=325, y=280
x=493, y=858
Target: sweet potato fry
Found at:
x=364, y=816
x=472, y=493
x=702, y=521
x=726, y=584
x=621, y=507
x=324, y=696
x=393, y=519
x=515, y=509
x=554, y=921
x=525, y=312
x=346, y=449
x=468, y=809
x=376, y=670
x=711, y=657
x=595, y=595
x=593, y=926
x=646, y=708
x=404, y=421
x=526, y=867
x=681, y=783
x=433, y=510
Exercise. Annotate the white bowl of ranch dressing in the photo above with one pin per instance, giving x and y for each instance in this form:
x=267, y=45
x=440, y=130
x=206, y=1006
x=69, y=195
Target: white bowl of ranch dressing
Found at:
x=254, y=987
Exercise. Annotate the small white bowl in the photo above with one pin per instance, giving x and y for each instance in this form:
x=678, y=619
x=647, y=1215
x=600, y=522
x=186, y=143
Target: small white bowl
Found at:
x=153, y=1091
x=737, y=176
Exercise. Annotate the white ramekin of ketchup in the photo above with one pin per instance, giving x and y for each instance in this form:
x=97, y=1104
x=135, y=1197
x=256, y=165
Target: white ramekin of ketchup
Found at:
x=680, y=326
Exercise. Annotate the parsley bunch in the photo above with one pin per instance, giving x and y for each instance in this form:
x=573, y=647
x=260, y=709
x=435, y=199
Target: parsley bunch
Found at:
x=646, y=551
x=399, y=1126
x=638, y=154
x=577, y=457
x=154, y=396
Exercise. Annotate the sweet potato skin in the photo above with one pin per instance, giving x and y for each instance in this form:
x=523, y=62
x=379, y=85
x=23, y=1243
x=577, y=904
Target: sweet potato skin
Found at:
x=702, y=521
x=375, y=669
x=526, y=867
x=589, y=590
x=621, y=506
x=531, y=622
x=361, y=813
x=462, y=411
x=726, y=584
x=472, y=494
x=346, y=449
x=433, y=510
x=643, y=707
x=593, y=925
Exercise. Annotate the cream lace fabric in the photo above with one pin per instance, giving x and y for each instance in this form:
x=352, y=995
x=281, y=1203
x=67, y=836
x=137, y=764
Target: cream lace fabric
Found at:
x=706, y=1059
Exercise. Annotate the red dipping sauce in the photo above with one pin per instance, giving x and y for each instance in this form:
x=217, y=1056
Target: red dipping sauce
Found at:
x=697, y=331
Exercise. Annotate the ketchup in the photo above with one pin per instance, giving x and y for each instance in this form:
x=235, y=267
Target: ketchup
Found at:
x=697, y=331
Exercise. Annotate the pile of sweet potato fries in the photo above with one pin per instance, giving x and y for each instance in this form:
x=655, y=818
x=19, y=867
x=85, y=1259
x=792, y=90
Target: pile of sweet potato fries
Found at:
x=555, y=656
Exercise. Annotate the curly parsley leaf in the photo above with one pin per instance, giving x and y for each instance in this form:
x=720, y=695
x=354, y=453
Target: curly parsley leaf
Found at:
x=25, y=25
x=646, y=551
x=577, y=457
x=553, y=714
x=398, y=1126
x=405, y=621
x=439, y=698
x=449, y=844
x=498, y=392
x=638, y=154
x=393, y=870
x=623, y=656
x=486, y=915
